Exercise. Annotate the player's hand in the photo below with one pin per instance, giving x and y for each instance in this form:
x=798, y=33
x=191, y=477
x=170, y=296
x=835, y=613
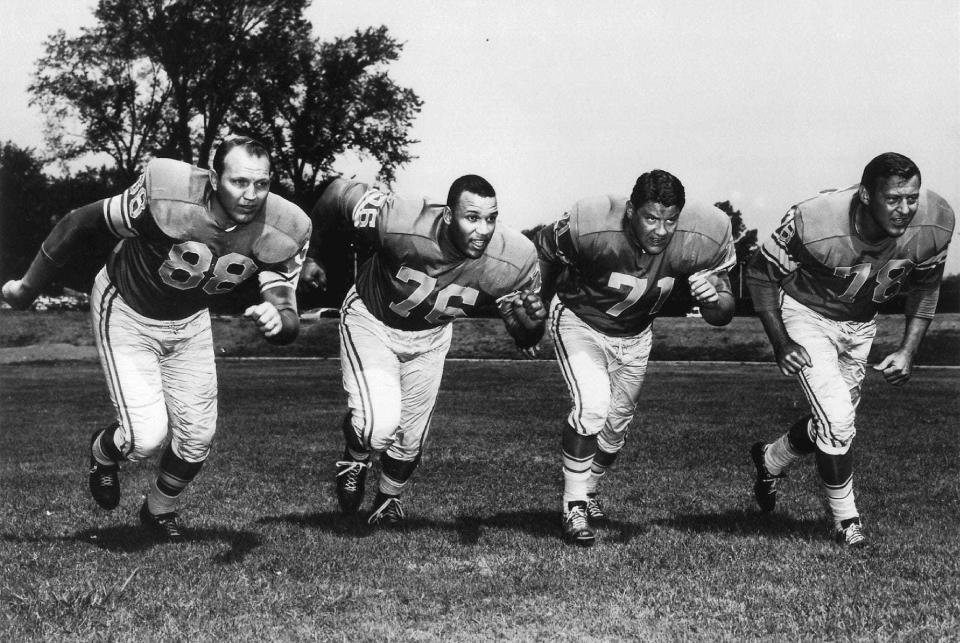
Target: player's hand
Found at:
x=529, y=309
x=18, y=295
x=312, y=276
x=896, y=367
x=266, y=316
x=531, y=352
x=792, y=358
x=703, y=290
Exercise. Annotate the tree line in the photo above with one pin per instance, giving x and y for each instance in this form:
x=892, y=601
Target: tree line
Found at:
x=162, y=78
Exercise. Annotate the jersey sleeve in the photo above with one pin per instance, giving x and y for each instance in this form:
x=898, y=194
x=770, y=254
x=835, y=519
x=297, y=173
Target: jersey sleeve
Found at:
x=923, y=286
x=773, y=261
x=123, y=213
x=349, y=205
x=286, y=273
x=555, y=243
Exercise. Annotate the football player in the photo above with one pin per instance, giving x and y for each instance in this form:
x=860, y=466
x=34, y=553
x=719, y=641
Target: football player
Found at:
x=612, y=262
x=185, y=235
x=432, y=263
x=816, y=284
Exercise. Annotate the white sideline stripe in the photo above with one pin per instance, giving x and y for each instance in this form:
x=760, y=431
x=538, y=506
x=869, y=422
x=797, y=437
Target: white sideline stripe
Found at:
x=267, y=358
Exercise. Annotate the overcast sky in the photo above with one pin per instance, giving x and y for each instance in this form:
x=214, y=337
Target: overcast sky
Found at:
x=758, y=102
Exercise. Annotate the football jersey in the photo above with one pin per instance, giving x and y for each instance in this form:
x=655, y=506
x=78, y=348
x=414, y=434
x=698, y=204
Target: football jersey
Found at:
x=173, y=255
x=416, y=279
x=608, y=281
x=818, y=258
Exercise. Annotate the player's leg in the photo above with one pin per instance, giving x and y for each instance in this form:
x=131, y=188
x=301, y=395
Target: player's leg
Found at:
x=422, y=355
x=828, y=386
x=129, y=354
x=771, y=460
x=626, y=371
x=189, y=376
x=836, y=469
x=371, y=378
x=582, y=359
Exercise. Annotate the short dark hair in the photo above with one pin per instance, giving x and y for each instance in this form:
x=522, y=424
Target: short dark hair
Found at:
x=886, y=165
x=251, y=145
x=468, y=183
x=658, y=186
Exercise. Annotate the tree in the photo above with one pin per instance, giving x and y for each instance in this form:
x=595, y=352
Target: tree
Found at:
x=330, y=98
x=23, y=222
x=170, y=78
x=31, y=203
x=745, y=243
x=98, y=98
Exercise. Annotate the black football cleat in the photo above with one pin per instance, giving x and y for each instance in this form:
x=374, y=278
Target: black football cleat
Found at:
x=351, y=482
x=387, y=512
x=165, y=527
x=765, y=486
x=576, y=526
x=595, y=512
x=850, y=533
x=104, y=479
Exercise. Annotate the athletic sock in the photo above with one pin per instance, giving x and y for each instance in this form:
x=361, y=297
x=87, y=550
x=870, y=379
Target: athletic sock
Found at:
x=780, y=454
x=841, y=500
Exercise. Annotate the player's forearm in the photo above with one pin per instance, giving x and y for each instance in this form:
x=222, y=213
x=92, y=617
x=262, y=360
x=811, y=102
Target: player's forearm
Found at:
x=913, y=334
x=549, y=272
x=525, y=337
x=773, y=326
x=284, y=300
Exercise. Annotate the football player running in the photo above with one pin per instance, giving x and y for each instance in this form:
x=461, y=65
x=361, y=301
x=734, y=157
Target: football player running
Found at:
x=612, y=262
x=816, y=284
x=185, y=235
x=432, y=263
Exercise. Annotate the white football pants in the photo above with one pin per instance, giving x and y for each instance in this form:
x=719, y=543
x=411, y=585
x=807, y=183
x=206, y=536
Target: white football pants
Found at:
x=161, y=376
x=838, y=351
x=391, y=378
x=604, y=375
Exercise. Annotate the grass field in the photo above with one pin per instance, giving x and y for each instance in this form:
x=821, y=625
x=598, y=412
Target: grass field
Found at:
x=687, y=557
x=26, y=336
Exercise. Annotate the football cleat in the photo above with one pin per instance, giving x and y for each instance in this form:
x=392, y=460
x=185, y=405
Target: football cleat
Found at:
x=164, y=526
x=351, y=482
x=595, y=513
x=576, y=527
x=850, y=533
x=765, y=487
x=387, y=512
x=104, y=479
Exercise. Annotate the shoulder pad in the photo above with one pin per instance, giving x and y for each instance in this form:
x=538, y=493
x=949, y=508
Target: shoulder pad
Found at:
x=167, y=179
x=597, y=214
x=286, y=230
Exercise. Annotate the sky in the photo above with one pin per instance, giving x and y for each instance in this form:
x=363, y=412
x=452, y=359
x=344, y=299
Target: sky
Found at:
x=760, y=103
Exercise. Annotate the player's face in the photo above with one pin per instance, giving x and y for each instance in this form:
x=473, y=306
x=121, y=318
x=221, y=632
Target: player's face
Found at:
x=472, y=223
x=892, y=206
x=654, y=225
x=243, y=187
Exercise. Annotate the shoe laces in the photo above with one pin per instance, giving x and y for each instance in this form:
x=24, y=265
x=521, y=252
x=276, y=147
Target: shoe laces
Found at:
x=594, y=506
x=391, y=508
x=576, y=518
x=853, y=534
x=170, y=524
x=351, y=469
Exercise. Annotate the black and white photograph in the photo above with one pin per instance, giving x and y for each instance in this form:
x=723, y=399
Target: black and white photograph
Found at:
x=479, y=320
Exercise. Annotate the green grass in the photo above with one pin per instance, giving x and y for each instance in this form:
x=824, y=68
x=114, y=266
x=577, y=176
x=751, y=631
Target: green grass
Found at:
x=675, y=338
x=688, y=556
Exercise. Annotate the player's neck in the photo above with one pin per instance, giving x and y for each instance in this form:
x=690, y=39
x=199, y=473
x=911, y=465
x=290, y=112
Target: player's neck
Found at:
x=866, y=228
x=220, y=217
